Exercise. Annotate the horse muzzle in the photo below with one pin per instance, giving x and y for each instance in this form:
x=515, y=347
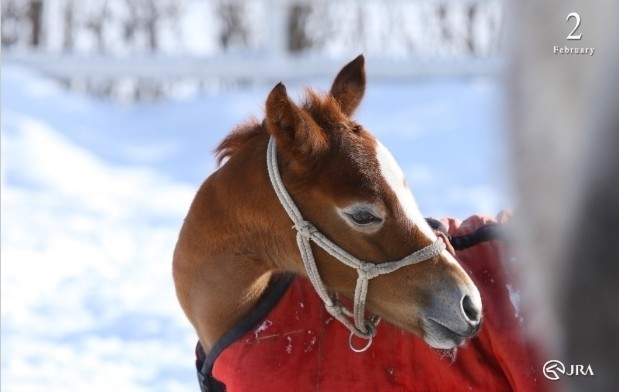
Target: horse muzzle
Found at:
x=452, y=317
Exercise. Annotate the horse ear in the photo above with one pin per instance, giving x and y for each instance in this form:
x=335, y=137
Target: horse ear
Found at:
x=292, y=127
x=349, y=85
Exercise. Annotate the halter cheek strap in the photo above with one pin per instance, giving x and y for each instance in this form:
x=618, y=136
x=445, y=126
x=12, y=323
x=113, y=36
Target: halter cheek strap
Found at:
x=306, y=232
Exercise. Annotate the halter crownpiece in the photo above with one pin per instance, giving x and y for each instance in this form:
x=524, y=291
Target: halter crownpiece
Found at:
x=362, y=327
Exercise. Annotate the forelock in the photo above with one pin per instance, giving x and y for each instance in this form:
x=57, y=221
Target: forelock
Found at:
x=324, y=109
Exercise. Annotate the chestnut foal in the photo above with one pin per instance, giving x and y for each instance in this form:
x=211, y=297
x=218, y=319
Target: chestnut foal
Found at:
x=309, y=191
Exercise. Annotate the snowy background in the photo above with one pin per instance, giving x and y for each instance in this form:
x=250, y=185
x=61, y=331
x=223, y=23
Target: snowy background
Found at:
x=94, y=193
x=93, y=196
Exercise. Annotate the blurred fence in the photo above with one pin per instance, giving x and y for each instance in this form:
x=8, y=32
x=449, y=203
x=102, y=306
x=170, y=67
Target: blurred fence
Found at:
x=146, y=49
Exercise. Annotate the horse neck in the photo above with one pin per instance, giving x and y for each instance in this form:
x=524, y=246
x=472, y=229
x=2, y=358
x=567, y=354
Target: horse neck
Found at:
x=235, y=236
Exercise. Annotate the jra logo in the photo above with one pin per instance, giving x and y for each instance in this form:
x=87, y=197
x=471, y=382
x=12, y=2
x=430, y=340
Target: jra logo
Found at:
x=553, y=369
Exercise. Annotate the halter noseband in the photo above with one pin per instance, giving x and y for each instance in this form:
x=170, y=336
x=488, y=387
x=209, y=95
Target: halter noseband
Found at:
x=362, y=327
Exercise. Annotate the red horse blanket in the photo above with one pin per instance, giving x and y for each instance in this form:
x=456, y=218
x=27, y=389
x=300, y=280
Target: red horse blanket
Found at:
x=290, y=342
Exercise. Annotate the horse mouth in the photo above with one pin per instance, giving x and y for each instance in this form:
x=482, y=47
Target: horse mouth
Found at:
x=442, y=337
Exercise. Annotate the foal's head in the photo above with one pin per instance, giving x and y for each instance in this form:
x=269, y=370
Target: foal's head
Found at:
x=350, y=187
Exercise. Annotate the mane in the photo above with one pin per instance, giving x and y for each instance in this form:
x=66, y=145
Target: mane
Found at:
x=236, y=139
x=323, y=108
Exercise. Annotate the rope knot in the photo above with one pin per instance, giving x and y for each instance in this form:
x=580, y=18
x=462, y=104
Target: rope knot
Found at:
x=368, y=271
x=334, y=309
x=370, y=329
x=305, y=228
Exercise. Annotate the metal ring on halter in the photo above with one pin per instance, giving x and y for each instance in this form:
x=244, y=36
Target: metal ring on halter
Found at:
x=362, y=349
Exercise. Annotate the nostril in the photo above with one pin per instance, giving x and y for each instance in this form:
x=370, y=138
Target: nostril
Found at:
x=470, y=310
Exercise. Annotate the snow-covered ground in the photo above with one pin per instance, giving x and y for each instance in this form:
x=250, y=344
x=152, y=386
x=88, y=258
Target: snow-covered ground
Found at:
x=94, y=193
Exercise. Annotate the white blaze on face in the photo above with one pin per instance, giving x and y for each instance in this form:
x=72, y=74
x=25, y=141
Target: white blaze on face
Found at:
x=393, y=175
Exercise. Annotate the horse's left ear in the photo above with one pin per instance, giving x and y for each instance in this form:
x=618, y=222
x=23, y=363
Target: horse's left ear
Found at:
x=292, y=127
x=349, y=85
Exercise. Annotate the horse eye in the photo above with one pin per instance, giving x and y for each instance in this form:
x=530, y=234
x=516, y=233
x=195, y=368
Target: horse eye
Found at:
x=363, y=218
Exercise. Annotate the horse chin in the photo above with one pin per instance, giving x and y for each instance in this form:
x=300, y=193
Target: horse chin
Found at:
x=434, y=334
x=442, y=344
x=440, y=337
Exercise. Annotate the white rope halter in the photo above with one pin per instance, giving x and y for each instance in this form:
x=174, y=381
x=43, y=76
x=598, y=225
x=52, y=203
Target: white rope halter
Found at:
x=362, y=327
